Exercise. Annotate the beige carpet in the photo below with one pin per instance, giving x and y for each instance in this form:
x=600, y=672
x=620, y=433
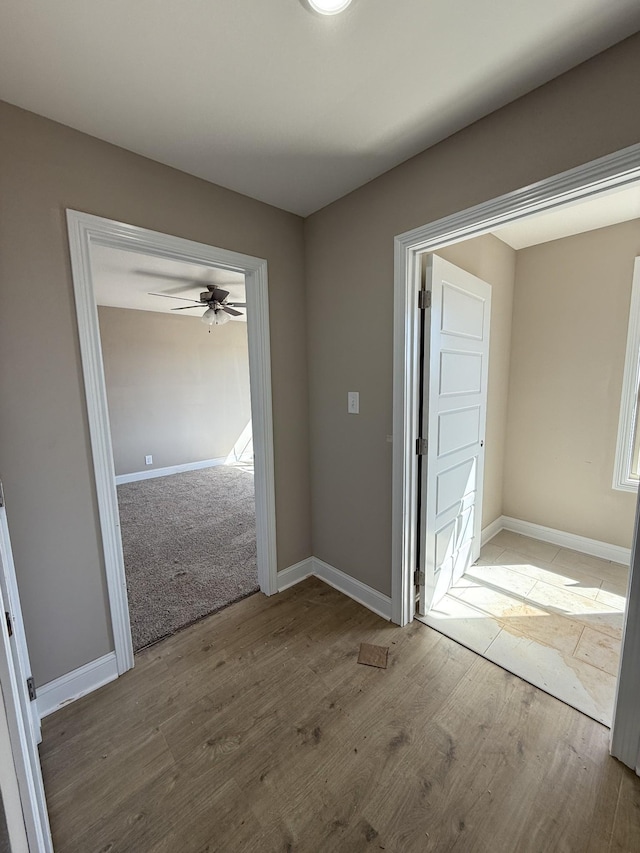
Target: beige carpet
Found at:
x=189, y=545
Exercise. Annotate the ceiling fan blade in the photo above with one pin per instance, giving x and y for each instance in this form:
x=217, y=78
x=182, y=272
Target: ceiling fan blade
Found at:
x=217, y=293
x=231, y=311
x=167, y=296
x=186, y=307
x=186, y=280
x=167, y=276
x=237, y=304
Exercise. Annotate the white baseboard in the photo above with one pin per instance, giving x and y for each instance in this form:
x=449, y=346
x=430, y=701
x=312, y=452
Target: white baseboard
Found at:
x=165, y=472
x=593, y=547
x=491, y=530
x=358, y=591
x=294, y=574
x=73, y=685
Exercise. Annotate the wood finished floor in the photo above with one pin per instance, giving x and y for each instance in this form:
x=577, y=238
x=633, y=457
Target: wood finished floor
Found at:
x=256, y=730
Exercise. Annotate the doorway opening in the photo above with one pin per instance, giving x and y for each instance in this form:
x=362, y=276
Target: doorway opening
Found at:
x=178, y=393
x=593, y=576
x=201, y=395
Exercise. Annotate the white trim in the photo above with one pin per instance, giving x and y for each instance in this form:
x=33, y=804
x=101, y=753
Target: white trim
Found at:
x=491, y=530
x=628, y=402
x=24, y=752
x=593, y=547
x=86, y=230
x=355, y=589
x=615, y=170
x=14, y=608
x=406, y=379
x=54, y=695
x=294, y=574
x=152, y=473
x=625, y=731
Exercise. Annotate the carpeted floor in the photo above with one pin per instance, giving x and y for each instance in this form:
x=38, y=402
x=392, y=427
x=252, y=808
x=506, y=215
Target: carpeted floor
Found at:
x=189, y=545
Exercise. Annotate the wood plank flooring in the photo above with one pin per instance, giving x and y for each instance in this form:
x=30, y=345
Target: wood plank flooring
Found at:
x=256, y=730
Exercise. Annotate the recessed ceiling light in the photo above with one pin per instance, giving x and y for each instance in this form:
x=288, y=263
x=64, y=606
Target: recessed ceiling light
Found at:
x=329, y=7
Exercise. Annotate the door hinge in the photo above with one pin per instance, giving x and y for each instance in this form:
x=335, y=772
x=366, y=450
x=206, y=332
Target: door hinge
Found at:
x=424, y=299
x=31, y=687
x=422, y=446
x=418, y=577
x=9, y=623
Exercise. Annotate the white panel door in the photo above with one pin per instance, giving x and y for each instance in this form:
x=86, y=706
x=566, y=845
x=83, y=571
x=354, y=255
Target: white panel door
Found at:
x=14, y=671
x=454, y=403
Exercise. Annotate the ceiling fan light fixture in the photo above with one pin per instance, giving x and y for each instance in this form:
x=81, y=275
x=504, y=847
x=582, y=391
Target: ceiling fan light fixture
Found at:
x=209, y=317
x=329, y=7
x=215, y=317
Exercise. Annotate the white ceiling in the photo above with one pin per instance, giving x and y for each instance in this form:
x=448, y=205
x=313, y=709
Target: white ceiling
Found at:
x=125, y=279
x=604, y=209
x=282, y=104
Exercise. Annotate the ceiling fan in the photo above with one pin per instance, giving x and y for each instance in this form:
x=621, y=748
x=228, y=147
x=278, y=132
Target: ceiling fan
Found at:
x=219, y=309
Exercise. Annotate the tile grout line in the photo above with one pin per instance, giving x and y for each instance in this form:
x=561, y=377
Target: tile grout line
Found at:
x=573, y=653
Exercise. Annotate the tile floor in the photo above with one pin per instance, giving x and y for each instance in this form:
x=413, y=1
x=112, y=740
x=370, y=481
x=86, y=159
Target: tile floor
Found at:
x=549, y=615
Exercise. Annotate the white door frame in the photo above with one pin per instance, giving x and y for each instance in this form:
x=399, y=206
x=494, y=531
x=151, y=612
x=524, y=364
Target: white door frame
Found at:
x=615, y=170
x=86, y=230
x=24, y=751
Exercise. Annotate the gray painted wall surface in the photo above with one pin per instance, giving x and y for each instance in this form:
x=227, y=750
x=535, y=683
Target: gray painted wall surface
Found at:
x=348, y=252
x=45, y=456
x=177, y=390
x=584, y=114
x=570, y=317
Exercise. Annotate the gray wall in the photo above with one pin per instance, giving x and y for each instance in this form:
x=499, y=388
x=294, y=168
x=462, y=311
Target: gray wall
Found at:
x=571, y=310
x=587, y=113
x=45, y=456
x=177, y=389
x=348, y=250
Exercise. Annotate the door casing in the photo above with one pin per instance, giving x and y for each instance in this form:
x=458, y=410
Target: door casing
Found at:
x=86, y=230
x=23, y=733
x=610, y=172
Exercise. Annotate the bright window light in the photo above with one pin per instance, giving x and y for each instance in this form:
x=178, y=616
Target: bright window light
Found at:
x=329, y=7
x=626, y=475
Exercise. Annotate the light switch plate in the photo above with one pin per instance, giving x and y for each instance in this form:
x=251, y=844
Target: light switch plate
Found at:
x=353, y=402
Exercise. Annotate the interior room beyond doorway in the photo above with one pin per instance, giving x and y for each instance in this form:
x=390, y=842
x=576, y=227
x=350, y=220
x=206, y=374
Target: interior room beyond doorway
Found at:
x=548, y=605
x=548, y=614
x=179, y=401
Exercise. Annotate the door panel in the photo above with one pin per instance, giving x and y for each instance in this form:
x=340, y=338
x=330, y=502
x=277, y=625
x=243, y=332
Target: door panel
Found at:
x=458, y=430
x=455, y=372
x=11, y=596
x=460, y=373
x=463, y=312
x=454, y=482
x=23, y=731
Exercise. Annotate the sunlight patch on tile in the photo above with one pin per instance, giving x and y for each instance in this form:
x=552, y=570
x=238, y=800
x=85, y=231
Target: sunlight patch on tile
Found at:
x=554, y=619
x=463, y=623
x=600, y=650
